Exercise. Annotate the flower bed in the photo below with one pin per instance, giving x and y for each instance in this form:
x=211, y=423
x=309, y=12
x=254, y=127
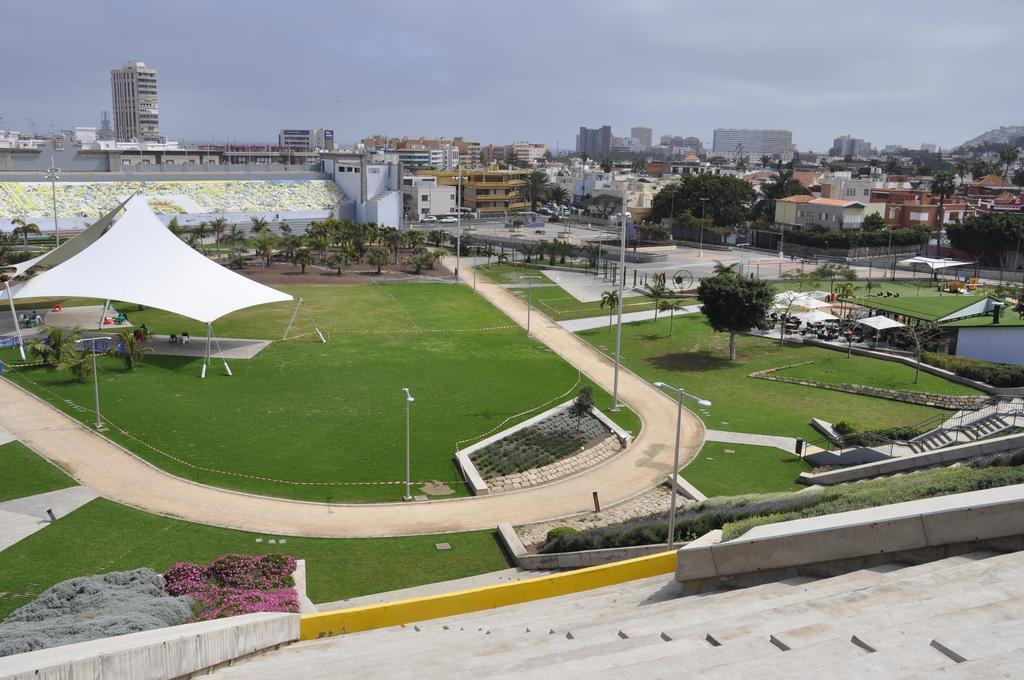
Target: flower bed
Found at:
x=544, y=443
x=236, y=584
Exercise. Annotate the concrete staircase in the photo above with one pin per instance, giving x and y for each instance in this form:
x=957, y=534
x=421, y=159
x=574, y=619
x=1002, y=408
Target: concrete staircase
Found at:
x=972, y=431
x=958, y=616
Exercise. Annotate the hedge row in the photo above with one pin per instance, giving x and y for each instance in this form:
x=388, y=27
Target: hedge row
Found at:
x=998, y=375
x=854, y=239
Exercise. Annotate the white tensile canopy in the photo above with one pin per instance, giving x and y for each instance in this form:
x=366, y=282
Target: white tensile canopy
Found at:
x=816, y=316
x=139, y=260
x=934, y=263
x=880, y=323
x=790, y=299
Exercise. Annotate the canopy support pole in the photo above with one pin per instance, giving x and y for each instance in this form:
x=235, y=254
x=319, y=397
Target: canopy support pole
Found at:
x=14, y=318
x=292, y=320
x=103, y=314
x=220, y=352
x=206, y=353
x=315, y=327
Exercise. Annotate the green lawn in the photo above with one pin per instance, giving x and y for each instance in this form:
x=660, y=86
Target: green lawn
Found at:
x=507, y=273
x=103, y=536
x=914, y=288
x=26, y=474
x=330, y=416
x=732, y=469
x=837, y=368
x=697, y=358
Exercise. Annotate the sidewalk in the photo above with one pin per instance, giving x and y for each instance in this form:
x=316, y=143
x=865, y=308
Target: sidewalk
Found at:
x=576, y=325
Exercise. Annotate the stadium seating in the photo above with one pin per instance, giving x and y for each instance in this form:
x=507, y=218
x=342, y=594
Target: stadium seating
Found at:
x=955, y=617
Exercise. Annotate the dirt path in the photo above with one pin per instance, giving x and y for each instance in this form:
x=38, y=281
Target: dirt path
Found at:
x=114, y=473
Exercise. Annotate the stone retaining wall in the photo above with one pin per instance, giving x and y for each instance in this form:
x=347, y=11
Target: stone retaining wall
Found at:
x=562, y=468
x=945, y=401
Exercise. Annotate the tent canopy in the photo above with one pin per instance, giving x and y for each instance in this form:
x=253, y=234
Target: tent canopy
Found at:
x=138, y=260
x=880, y=323
x=790, y=299
x=935, y=263
x=816, y=316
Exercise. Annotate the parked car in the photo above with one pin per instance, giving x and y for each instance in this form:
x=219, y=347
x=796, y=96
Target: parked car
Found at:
x=539, y=231
x=448, y=219
x=428, y=218
x=545, y=211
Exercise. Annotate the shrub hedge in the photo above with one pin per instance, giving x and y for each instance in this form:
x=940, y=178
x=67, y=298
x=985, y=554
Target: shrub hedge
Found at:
x=826, y=238
x=997, y=375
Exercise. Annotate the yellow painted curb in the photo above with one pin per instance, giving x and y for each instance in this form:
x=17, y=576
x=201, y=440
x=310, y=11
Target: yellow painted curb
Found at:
x=400, y=612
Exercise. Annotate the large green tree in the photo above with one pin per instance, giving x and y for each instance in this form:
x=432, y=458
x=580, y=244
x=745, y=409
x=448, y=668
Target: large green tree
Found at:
x=987, y=236
x=536, y=188
x=1008, y=156
x=782, y=185
x=733, y=304
x=729, y=199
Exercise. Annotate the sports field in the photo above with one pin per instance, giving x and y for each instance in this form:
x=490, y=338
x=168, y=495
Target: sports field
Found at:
x=326, y=422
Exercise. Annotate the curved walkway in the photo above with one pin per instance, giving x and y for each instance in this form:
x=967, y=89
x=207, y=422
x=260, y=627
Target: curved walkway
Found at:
x=116, y=474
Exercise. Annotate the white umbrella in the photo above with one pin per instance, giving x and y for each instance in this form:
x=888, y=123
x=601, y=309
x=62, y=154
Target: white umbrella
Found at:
x=790, y=299
x=815, y=316
x=880, y=323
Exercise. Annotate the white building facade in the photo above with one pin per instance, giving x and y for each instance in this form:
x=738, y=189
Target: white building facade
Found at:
x=135, y=103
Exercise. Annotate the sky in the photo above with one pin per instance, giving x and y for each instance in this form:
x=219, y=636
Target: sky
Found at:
x=891, y=72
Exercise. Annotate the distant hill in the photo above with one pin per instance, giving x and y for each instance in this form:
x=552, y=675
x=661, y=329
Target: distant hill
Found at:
x=1003, y=135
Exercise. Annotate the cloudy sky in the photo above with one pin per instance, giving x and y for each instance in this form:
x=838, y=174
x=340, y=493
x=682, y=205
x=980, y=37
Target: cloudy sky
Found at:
x=892, y=71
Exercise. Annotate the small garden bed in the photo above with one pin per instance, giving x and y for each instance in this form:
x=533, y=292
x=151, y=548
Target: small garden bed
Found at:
x=235, y=584
x=548, y=441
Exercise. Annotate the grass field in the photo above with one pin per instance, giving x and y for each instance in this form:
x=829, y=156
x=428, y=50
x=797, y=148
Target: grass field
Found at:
x=731, y=469
x=329, y=416
x=697, y=358
x=837, y=368
x=103, y=536
x=26, y=474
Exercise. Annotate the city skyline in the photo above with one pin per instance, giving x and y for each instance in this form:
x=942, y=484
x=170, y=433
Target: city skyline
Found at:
x=637, y=70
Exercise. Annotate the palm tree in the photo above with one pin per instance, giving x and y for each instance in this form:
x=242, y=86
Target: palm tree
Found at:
x=234, y=234
x=670, y=306
x=129, y=349
x=339, y=260
x=536, y=188
x=657, y=290
x=217, y=228
x=24, y=229
x=782, y=185
x=393, y=239
x=1008, y=155
x=488, y=251
x=303, y=258
x=611, y=299
x=285, y=229
x=592, y=251
x=264, y=244
x=53, y=344
x=943, y=186
x=259, y=225
x=76, y=362
x=437, y=236
x=766, y=160
x=200, y=234
x=379, y=257
x=175, y=227
x=963, y=166
x=558, y=194
x=413, y=238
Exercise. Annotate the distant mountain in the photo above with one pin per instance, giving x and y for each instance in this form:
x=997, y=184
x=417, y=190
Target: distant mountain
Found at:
x=1003, y=135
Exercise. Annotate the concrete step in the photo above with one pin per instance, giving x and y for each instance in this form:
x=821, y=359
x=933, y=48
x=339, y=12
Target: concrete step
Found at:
x=892, y=663
x=795, y=661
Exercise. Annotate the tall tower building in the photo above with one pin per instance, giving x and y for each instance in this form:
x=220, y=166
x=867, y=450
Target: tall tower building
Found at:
x=644, y=135
x=136, y=111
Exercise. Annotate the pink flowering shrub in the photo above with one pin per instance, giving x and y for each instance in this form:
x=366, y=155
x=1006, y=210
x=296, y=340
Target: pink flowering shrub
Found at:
x=236, y=584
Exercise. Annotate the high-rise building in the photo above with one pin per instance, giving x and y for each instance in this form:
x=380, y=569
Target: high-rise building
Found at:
x=846, y=145
x=306, y=138
x=594, y=142
x=135, y=104
x=644, y=135
x=731, y=140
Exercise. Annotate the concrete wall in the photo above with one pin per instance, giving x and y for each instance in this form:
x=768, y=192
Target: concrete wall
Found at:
x=888, y=466
x=158, y=654
x=569, y=560
x=924, y=529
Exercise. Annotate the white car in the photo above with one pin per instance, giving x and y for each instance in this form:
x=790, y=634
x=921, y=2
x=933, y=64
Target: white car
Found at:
x=448, y=219
x=428, y=218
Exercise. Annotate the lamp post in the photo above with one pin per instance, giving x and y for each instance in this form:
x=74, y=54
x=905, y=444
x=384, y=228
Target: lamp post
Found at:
x=740, y=247
x=95, y=376
x=618, y=330
x=680, y=395
x=53, y=174
x=703, y=209
x=458, y=216
x=529, y=299
x=408, y=474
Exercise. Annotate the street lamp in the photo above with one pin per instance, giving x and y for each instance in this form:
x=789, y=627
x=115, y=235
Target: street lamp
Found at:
x=618, y=330
x=740, y=247
x=95, y=376
x=458, y=216
x=529, y=299
x=408, y=475
x=53, y=174
x=680, y=394
x=703, y=209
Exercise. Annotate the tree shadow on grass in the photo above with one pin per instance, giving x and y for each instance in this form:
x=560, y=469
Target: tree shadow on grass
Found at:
x=691, y=361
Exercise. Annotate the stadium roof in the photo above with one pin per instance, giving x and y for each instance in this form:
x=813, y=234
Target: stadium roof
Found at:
x=138, y=260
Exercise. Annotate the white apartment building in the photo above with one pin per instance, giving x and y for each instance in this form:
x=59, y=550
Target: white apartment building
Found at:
x=644, y=135
x=423, y=196
x=136, y=107
x=526, y=152
x=753, y=142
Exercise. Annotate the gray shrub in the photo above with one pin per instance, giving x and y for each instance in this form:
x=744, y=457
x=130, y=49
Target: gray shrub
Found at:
x=93, y=607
